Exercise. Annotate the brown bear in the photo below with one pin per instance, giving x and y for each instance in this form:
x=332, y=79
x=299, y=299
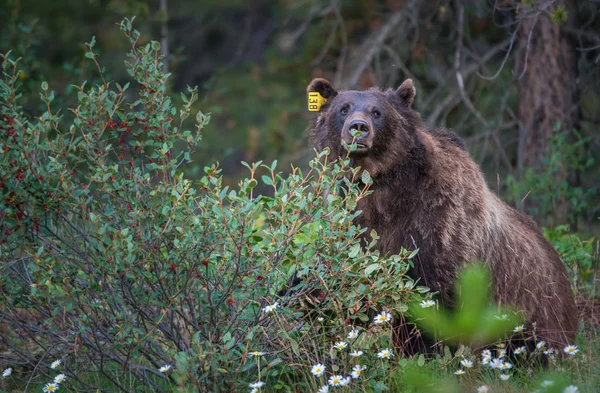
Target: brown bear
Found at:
x=429, y=194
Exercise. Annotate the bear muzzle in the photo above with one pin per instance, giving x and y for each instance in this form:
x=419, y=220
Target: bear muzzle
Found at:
x=358, y=130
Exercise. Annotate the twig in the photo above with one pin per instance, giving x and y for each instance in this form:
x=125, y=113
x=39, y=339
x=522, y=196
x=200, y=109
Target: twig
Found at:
x=370, y=47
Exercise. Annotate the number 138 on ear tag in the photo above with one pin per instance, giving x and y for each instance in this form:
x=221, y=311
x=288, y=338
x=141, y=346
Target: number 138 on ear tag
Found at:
x=315, y=101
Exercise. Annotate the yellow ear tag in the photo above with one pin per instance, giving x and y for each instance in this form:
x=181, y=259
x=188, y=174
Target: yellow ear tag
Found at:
x=315, y=101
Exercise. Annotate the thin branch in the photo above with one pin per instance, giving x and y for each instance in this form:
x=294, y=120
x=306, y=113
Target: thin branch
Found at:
x=512, y=41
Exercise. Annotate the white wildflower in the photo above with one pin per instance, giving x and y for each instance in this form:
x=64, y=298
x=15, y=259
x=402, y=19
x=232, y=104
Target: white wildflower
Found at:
x=164, y=368
x=317, y=370
x=540, y=345
x=382, y=318
x=340, y=345
x=357, y=370
x=496, y=364
x=571, y=350
x=336, y=380
x=466, y=363
x=427, y=303
x=323, y=389
x=270, y=308
x=50, y=387
x=520, y=350
x=60, y=378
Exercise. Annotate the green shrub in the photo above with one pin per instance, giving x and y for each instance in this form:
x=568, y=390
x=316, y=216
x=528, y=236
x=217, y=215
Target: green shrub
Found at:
x=117, y=265
x=580, y=256
x=548, y=187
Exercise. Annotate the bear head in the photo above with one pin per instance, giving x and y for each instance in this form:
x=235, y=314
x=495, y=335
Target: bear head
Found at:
x=381, y=124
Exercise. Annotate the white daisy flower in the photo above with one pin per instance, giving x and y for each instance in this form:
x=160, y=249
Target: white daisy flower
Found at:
x=356, y=354
x=385, y=354
x=55, y=364
x=549, y=351
x=353, y=334
x=51, y=387
x=546, y=384
x=270, y=308
x=496, y=363
x=486, y=353
x=60, y=378
x=459, y=372
x=345, y=381
x=340, y=345
x=317, y=370
x=427, y=303
x=502, y=317
x=486, y=360
x=504, y=377
x=483, y=389
x=520, y=350
x=357, y=370
x=164, y=368
x=336, y=380
x=540, y=345
x=323, y=389
x=257, y=353
x=571, y=389
x=571, y=350
x=321, y=319
x=466, y=363
x=382, y=318
x=506, y=366
x=6, y=372
x=519, y=329
x=257, y=384
x=501, y=353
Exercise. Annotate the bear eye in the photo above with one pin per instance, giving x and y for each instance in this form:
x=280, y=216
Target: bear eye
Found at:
x=344, y=110
x=376, y=113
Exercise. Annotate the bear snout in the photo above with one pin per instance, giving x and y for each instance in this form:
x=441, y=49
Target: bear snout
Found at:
x=358, y=129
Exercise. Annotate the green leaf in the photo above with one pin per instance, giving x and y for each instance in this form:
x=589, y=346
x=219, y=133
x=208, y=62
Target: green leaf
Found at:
x=366, y=178
x=371, y=268
x=354, y=251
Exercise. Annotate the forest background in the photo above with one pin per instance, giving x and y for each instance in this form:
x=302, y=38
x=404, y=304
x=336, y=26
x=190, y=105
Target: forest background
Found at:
x=518, y=81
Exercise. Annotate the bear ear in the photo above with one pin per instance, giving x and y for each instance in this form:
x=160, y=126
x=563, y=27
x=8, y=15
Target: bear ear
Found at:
x=323, y=87
x=319, y=91
x=406, y=92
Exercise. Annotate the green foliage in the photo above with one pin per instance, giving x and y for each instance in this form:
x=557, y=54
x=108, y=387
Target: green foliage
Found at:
x=580, y=256
x=117, y=264
x=475, y=321
x=548, y=185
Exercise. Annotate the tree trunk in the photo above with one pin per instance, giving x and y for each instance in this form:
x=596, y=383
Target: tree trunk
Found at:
x=547, y=90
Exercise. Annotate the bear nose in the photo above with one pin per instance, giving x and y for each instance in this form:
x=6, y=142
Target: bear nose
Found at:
x=358, y=129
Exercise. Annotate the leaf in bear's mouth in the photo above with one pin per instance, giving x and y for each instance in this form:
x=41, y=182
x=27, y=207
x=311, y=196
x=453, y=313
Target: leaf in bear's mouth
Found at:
x=356, y=133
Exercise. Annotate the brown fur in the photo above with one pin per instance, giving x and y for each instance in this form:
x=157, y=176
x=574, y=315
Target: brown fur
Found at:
x=429, y=194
